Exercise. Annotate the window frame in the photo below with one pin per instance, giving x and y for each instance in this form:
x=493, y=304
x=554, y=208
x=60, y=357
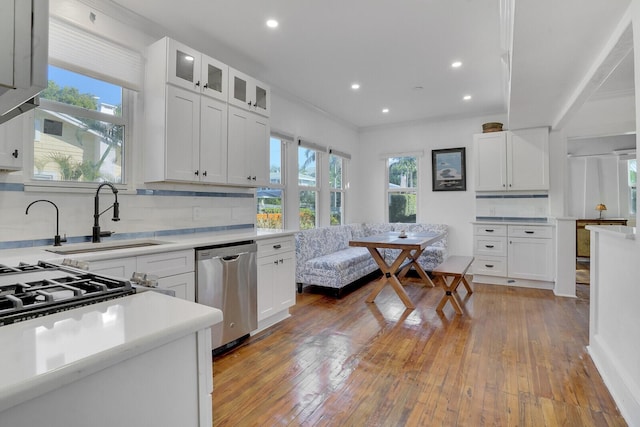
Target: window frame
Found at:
x=412, y=190
x=317, y=189
x=343, y=187
x=284, y=141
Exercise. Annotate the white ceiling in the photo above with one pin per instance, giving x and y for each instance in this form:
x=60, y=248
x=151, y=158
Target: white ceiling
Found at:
x=393, y=47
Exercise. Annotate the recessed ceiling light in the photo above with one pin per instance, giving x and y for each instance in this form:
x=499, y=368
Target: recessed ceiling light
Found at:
x=385, y=110
x=272, y=23
x=456, y=64
x=467, y=97
x=355, y=86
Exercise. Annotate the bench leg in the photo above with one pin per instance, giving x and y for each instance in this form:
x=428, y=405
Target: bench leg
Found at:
x=450, y=293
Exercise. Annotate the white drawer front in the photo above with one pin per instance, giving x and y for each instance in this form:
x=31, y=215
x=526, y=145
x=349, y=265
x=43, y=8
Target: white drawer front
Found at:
x=490, y=266
x=490, y=230
x=539, y=231
x=168, y=263
x=493, y=246
x=267, y=247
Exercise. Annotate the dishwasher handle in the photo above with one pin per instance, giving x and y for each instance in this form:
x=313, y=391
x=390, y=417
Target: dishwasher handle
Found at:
x=230, y=258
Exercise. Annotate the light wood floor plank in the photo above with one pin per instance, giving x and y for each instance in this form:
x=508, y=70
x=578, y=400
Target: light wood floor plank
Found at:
x=516, y=358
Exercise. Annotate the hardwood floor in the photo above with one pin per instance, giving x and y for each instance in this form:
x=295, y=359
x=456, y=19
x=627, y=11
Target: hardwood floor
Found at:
x=517, y=357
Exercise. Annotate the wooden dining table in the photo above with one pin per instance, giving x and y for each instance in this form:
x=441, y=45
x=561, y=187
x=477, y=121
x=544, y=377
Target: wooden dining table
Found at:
x=411, y=246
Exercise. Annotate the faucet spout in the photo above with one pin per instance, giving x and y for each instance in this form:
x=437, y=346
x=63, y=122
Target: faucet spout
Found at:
x=96, y=233
x=56, y=239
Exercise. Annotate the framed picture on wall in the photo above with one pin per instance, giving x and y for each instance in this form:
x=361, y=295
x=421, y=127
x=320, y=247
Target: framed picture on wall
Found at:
x=449, y=169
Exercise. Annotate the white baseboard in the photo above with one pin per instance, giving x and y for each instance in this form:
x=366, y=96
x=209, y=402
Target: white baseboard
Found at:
x=624, y=394
x=507, y=281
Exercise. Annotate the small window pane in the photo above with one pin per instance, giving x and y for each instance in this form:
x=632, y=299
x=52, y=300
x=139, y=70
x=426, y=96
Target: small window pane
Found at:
x=82, y=91
x=269, y=208
x=214, y=78
x=402, y=207
x=335, y=172
x=76, y=149
x=307, y=209
x=275, y=161
x=239, y=89
x=307, y=169
x=336, y=207
x=403, y=172
x=185, y=66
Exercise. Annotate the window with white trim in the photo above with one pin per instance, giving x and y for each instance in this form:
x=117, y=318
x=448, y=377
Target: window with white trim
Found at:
x=270, y=200
x=337, y=186
x=82, y=124
x=402, y=188
x=308, y=184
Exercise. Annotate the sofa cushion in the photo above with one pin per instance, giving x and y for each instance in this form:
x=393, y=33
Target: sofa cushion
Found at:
x=338, y=269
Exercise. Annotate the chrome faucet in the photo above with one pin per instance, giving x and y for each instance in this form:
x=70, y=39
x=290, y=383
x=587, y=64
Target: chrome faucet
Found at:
x=96, y=233
x=56, y=239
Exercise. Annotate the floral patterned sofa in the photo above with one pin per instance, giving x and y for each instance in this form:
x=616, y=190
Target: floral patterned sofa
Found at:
x=325, y=259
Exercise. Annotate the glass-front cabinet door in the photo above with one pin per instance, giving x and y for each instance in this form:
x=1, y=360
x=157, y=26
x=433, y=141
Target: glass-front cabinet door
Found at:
x=214, y=78
x=183, y=66
x=248, y=93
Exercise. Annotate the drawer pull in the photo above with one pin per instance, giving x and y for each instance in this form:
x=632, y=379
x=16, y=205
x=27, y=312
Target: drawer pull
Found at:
x=277, y=246
x=489, y=230
x=488, y=246
x=489, y=265
x=529, y=232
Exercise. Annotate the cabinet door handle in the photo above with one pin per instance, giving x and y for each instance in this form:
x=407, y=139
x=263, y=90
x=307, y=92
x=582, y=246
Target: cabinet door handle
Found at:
x=277, y=246
x=249, y=177
x=197, y=172
x=15, y=154
x=253, y=178
x=489, y=265
x=529, y=232
x=198, y=83
x=206, y=85
x=281, y=261
x=275, y=262
x=204, y=173
x=488, y=246
x=489, y=230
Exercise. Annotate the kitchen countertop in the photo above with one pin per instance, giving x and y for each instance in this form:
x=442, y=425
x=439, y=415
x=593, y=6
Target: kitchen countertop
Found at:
x=45, y=353
x=169, y=243
x=614, y=230
x=513, y=221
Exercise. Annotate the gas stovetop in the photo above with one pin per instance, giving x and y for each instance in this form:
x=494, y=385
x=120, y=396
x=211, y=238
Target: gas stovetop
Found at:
x=33, y=290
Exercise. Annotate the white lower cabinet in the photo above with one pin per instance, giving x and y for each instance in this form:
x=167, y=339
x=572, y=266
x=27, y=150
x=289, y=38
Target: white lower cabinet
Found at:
x=518, y=255
x=276, y=280
x=175, y=270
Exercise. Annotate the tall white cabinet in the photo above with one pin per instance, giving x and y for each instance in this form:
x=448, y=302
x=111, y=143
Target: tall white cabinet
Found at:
x=515, y=160
x=193, y=132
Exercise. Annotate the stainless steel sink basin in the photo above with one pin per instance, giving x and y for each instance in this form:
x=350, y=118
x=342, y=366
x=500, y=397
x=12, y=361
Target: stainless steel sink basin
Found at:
x=80, y=248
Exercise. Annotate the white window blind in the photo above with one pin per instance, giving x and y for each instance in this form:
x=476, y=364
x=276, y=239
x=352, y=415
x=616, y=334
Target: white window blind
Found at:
x=76, y=49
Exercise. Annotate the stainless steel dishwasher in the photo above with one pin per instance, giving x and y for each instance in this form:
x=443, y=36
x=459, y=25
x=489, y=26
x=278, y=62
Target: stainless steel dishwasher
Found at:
x=227, y=279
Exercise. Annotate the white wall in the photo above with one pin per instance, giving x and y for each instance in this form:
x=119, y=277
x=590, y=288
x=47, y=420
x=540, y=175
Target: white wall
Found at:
x=455, y=208
x=150, y=213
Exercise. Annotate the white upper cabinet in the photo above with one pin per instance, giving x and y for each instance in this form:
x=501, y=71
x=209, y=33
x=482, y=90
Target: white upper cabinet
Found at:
x=512, y=160
x=11, y=136
x=195, y=71
x=185, y=128
x=248, y=93
x=248, y=138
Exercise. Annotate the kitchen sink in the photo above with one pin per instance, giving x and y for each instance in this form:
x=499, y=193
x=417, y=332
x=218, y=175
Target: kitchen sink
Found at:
x=80, y=248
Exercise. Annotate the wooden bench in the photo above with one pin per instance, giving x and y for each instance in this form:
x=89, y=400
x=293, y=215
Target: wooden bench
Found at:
x=450, y=273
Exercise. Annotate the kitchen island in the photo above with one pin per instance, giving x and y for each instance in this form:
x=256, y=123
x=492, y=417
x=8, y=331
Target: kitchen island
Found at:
x=140, y=360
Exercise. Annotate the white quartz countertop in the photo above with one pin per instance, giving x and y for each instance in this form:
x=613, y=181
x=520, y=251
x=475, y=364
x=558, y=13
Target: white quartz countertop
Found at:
x=614, y=230
x=169, y=243
x=548, y=222
x=43, y=354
